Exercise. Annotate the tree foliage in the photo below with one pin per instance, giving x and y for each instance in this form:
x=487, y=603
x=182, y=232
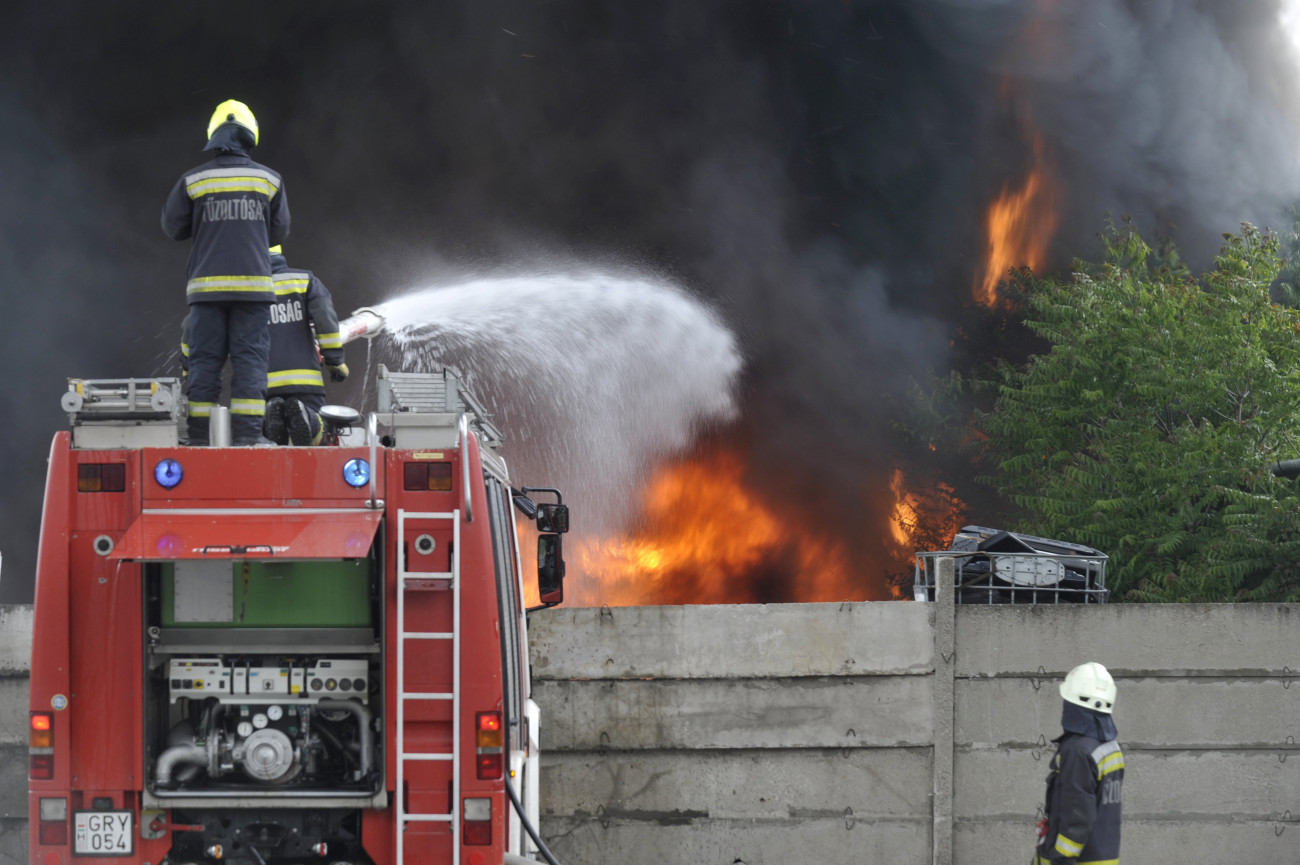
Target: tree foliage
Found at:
x=1148, y=427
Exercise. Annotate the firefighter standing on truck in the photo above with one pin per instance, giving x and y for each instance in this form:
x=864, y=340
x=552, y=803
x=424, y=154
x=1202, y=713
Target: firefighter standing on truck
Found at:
x=1084, y=789
x=233, y=209
x=295, y=387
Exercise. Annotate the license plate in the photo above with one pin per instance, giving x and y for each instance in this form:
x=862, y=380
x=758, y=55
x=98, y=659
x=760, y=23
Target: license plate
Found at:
x=102, y=833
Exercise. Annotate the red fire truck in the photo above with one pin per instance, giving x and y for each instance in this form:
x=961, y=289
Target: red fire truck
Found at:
x=282, y=655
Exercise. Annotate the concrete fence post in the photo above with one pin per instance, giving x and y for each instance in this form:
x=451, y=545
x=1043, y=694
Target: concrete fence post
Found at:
x=945, y=664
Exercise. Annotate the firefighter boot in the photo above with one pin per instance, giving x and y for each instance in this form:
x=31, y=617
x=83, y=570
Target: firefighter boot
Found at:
x=304, y=424
x=196, y=431
x=273, y=427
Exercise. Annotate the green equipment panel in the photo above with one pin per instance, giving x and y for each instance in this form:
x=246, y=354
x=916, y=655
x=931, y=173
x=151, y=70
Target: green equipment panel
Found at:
x=265, y=594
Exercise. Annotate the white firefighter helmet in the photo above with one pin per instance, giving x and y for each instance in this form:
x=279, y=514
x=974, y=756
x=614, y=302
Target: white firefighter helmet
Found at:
x=1090, y=685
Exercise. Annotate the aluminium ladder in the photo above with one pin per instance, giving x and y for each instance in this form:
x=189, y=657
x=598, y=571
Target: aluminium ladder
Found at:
x=450, y=817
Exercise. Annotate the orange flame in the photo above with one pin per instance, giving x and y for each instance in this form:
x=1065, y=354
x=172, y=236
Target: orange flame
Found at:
x=706, y=539
x=925, y=520
x=903, y=521
x=1021, y=223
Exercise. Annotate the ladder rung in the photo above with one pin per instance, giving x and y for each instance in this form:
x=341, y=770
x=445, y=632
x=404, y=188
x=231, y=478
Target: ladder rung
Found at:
x=429, y=696
x=419, y=756
x=427, y=818
x=430, y=575
x=427, y=635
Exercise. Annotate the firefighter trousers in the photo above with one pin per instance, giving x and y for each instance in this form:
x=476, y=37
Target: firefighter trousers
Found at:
x=239, y=331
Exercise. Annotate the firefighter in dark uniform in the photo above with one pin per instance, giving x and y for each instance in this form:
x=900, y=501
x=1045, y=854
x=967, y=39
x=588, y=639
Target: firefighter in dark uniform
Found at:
x=233, y=209
x=1084, y=789
x=301, y=317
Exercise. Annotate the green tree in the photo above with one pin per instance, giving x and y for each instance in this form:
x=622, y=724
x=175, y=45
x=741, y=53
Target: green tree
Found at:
x=1148, y=426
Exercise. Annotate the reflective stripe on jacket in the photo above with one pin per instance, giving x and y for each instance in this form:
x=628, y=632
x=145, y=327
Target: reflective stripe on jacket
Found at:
x=232, y=209
x=1084, y=802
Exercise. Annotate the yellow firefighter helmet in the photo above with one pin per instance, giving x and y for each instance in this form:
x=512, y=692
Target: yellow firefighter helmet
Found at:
x=233, y=111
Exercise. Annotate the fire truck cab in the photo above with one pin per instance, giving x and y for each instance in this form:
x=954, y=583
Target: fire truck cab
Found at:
x=285, y=655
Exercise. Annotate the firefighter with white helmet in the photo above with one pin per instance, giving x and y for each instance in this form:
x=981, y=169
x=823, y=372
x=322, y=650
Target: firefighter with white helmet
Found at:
x=233, y=209
x=1084, y=789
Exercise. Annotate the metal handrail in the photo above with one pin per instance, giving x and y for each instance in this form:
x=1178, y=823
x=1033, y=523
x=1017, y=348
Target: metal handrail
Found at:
x=372, y=435
x=462, y=430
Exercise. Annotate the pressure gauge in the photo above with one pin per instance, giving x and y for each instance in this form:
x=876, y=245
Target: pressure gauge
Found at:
x=244, y=729
x=275, y=713
x=259, y=720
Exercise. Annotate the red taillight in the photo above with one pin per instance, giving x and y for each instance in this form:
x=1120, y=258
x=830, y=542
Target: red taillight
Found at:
x=101, y=478
x=477, y=825
x=40, y=741
x=478, y=834
x=488, y=728
x=53, y=834
x=489, y=766
x=41, y=767
x=487, y=740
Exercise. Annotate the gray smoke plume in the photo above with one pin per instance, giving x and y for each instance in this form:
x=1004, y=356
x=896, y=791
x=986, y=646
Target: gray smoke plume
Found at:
x=819, y=172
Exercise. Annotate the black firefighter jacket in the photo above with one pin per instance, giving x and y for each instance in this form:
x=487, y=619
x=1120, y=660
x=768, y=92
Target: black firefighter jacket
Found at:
x=234, y=209
x=1084, y=793
x=302, y=302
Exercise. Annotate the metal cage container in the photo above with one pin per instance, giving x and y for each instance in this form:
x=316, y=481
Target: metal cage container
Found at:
x=999, y=567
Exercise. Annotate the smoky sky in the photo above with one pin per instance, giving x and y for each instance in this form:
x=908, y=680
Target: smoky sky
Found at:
x=817, y=172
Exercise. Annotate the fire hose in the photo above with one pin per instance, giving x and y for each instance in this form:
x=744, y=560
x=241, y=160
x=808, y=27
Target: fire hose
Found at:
x=532, y=833
x=364, y=322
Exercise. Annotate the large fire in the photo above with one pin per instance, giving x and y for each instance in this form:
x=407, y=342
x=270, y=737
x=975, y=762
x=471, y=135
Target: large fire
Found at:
x=1020, y=223
x=706, y=538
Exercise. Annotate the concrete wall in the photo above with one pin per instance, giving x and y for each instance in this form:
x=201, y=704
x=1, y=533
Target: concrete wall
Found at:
x=15, y=658
x=873, y=733
x=903, y=732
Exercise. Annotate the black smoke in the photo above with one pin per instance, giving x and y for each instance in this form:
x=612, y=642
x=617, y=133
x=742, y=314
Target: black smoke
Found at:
x=818, y=171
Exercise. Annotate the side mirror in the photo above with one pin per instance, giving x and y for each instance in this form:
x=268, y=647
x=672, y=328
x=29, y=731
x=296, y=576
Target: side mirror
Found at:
x=553, y=518
x=550, y=570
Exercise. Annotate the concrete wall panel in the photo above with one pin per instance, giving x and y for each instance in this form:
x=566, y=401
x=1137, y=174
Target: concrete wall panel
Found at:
x=1149, y=842
x=731, y=641
x=15, y=638
x=747, y=713
x=13, y=842
x=13, y=710
x=13, y=781
x=1130, y=639
x=1199, y=712
x=833, y=840
x=1171, y=785
x=871, y=783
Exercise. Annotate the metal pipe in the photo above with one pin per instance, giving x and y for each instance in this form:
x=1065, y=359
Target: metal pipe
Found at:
x=363, y=722
x=169, y=759
x=219, y=426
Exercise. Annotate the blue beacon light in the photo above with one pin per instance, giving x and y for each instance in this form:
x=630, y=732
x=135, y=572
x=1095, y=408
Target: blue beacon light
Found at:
x=356, y=472
x=168, y=473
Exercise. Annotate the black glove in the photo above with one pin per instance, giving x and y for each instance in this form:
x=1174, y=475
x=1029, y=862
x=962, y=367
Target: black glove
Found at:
x=338, y=371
